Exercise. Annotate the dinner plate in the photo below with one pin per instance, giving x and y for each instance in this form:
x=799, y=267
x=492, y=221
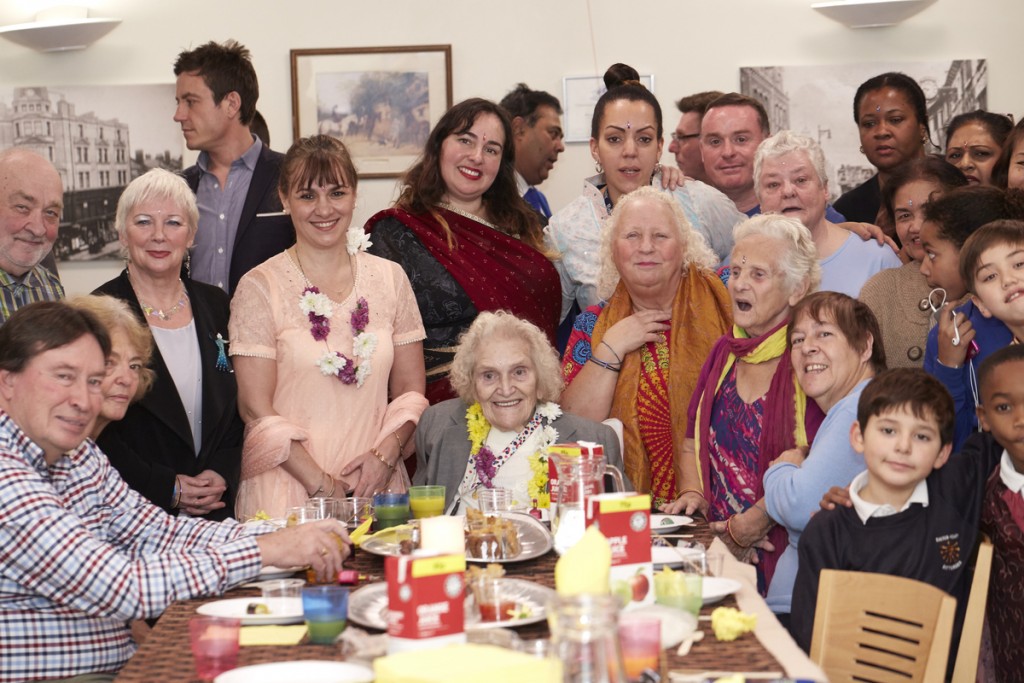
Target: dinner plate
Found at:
x=671, y=556
x=368, y=606
x=716, y=588
x=269, y=572
x=534, y=541
x=310, y=671
x=282, y=610
x=664, y=524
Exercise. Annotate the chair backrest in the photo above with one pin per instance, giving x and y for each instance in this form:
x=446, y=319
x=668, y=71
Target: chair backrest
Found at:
x=878, y=628
x=966, y=668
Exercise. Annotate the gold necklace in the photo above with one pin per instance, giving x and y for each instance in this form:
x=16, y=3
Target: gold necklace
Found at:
x=159, y=312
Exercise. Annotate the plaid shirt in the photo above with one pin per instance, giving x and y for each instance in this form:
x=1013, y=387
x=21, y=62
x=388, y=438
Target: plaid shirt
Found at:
x=81, y=554
x=39, y=284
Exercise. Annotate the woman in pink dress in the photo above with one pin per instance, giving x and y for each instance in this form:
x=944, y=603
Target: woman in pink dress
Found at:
x=327, y=346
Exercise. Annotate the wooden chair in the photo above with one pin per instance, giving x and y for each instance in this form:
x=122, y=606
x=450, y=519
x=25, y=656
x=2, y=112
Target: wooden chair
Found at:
x=876, y=628
x=966, y=668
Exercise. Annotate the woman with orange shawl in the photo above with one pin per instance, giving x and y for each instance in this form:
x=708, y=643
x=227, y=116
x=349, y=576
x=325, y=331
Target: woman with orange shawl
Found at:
x=748, y=407
x=637, y=357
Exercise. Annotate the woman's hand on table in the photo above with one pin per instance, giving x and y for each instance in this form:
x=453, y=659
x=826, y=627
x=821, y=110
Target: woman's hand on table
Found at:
x=322, y=545
x=202, y=493
x=950, y=324
x=689, y=503
x=369, y=473
x=746, y=533
x=837, y=496
x=632, y=332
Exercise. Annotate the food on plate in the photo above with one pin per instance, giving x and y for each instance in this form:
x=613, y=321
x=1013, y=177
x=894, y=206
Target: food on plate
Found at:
x=260, y=516
x=729, y=623
x=491, y=538
x=257, y=608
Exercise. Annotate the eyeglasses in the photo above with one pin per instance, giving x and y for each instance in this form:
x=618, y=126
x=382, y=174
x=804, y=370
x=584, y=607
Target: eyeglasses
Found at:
x=676, y=137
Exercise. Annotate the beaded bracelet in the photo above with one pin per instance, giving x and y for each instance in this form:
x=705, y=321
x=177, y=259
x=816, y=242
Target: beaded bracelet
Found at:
x=728, y=527
x=376, y=453
x=606, y=366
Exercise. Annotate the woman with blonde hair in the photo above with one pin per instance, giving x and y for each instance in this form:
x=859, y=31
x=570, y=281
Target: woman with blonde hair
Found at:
x=637, y=357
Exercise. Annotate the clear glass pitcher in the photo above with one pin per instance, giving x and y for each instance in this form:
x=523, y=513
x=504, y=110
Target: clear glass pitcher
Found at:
x=584, y=636
x=579, y=476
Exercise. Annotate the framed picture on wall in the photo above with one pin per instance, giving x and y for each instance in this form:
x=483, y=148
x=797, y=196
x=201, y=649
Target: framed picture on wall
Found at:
x=579, y=97
x=380, y=101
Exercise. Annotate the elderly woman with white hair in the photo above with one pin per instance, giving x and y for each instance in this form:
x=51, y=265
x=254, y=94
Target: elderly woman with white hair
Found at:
x=790, y=179
x=748, y=407
x=184, y=438
x=637, y=357
x=507, y=377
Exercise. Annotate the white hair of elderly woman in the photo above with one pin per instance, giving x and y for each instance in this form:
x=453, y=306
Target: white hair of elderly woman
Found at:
x=799, y=260
x=784, y=142
x=696, y=251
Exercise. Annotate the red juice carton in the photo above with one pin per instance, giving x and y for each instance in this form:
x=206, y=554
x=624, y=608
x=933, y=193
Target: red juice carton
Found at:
x=625, y=520
x=582, y=449
x=425, y=601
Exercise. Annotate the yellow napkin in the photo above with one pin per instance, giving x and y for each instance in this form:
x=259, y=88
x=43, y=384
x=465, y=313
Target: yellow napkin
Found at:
x=466, y=663
x=271, y=635
x=360, y=531
x=584, y=568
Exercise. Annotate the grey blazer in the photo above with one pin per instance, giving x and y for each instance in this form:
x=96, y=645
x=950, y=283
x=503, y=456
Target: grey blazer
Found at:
x=442, y=444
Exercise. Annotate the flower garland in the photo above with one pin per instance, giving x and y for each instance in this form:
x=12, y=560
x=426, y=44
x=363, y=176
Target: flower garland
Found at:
x=318, y=308
x=486, y=463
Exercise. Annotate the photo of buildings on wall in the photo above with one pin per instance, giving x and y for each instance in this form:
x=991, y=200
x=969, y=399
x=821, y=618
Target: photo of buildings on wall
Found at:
x=99, y=138
x=817, y=101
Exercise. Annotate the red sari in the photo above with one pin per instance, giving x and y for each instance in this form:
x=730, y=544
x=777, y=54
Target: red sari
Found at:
x=494, y=271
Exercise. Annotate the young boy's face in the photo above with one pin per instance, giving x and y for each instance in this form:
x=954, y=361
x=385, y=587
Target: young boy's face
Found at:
x=1002, y=409
x=900, y=449
x=941, y=263
x=999, y=283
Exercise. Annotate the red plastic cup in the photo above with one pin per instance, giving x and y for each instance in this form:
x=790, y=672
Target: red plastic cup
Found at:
x=214, y=642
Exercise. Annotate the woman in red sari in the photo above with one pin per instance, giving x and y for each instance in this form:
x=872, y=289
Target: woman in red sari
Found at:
x=465, y=237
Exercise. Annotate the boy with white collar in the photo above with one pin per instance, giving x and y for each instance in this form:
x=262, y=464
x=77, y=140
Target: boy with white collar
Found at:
x=915, y=512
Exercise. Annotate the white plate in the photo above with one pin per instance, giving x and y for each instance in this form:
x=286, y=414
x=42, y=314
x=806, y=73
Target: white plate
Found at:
x=534, y=539
x=311, y=671
x=282, y=610
x=269, y=572
x=666, y=556
x=368, y=606
x=715, y=589
x=663, y=524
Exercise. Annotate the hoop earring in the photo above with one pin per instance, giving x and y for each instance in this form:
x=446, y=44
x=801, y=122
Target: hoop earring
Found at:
x=598, y=167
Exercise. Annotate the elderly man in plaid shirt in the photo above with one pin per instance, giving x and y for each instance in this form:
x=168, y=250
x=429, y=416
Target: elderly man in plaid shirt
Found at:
x=81, y=554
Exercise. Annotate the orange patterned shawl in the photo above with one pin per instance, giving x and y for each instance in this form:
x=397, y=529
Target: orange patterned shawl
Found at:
x=701, y=313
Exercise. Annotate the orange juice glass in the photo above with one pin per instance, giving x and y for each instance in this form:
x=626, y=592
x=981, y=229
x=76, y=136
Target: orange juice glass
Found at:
x=426, y=501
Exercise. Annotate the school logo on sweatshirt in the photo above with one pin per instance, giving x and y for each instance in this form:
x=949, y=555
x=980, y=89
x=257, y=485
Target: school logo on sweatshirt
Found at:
x=949, y=551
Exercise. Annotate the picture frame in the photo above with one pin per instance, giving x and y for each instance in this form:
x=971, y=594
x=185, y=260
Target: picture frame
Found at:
x=382, y=102
x=579, y=97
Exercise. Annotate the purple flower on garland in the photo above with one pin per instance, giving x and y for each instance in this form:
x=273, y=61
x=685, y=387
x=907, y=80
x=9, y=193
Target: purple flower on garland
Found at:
x=484, y=463
x=348, y=373
x=360, y=316
x=317, y=308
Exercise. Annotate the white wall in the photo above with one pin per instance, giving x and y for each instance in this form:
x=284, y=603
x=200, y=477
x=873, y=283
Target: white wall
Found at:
x=688, y=45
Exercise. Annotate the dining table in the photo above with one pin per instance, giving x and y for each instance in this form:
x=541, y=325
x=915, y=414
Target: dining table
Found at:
x=766, y=653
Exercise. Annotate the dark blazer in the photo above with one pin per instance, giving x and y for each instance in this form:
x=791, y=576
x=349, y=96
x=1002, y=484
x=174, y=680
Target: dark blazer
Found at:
x=442, y=444
x=259, y=236
x=153, y=442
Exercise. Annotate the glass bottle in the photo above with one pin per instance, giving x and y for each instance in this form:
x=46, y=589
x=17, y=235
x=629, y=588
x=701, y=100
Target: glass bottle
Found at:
x=584, y=636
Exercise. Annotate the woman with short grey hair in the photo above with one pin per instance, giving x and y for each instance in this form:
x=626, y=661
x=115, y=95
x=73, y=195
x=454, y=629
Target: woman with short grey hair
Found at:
x=790, y=179
x=747, y=407
x=507, y=376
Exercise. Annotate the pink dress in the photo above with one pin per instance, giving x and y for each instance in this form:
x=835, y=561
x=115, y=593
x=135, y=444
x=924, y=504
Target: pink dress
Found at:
x=337, y=421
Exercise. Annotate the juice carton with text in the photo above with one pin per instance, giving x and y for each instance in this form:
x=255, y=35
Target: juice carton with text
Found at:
x=625, y=520
x=425, y=601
